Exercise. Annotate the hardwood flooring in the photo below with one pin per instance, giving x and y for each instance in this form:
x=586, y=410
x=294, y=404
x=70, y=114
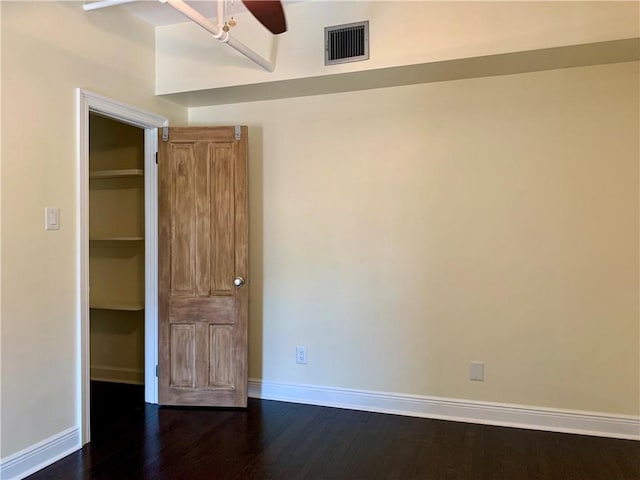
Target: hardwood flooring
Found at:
x=278, y=440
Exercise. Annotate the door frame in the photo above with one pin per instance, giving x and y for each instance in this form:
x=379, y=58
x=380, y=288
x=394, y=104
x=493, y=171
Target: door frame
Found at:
x=89, y=102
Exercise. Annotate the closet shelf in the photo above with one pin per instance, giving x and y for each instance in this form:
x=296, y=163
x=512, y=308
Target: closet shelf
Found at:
x=116, y=239
x=129, y=172
x=130, y=307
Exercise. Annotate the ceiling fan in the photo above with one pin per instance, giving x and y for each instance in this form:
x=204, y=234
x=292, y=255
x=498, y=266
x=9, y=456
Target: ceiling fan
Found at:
x=269, y=13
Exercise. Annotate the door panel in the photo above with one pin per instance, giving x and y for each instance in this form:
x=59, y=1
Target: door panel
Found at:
x=221, y=356
x=217, y=310
x=183, y=217
x=183, y=349
x=203, y=247
x=222, y=220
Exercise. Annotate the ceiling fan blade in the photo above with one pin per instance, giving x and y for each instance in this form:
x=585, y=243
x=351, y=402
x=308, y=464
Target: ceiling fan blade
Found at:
x=269, y=13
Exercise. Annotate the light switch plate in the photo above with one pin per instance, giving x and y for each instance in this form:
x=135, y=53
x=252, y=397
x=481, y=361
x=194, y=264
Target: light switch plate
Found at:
x=52, y=218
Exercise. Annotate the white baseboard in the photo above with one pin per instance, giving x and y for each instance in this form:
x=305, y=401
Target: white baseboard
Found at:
x=488, y=413
x=40, y=455
x=117, y=374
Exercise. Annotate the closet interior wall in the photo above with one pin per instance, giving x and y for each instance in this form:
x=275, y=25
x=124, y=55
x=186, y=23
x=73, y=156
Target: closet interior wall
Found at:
x=116, y=250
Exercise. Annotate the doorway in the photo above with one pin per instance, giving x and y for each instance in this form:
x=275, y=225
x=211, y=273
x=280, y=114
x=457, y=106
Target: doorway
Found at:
x=130, y=247
x=116, y=271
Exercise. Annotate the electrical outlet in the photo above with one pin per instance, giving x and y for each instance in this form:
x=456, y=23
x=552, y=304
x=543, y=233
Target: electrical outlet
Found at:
x=476, y=371
x=301, y=355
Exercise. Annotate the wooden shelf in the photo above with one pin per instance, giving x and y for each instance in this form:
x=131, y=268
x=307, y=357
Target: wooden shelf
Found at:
x=129, y=307
x=116, y=239
x=129, y=172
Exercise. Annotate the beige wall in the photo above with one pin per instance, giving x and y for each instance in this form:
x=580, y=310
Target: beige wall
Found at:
x=401, y=33
x=49, y=49
x=400, y=233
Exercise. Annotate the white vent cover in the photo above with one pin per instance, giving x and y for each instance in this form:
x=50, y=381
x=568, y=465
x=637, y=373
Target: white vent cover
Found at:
x=346, y=43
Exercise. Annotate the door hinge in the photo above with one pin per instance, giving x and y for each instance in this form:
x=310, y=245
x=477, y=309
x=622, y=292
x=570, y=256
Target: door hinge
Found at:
x=156, y=158
x=238, y=132
x=156, y=370
x=165, y=134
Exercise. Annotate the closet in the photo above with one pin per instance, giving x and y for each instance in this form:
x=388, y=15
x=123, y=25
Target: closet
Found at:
x=116, y=251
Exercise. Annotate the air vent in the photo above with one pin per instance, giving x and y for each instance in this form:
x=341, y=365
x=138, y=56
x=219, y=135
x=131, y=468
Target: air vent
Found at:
x=346, y=43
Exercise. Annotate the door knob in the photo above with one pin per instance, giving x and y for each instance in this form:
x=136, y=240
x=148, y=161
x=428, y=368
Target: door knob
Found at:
x=238, y=281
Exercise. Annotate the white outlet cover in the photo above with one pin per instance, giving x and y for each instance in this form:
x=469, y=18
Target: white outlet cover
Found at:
x=301, y=355
x=476, y=371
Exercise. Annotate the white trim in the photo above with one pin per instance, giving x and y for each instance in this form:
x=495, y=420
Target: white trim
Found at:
x=150, y=122
x=40, y=455
x=121, y=111
x=83, y=264
x=151, y=265
x=488, y=413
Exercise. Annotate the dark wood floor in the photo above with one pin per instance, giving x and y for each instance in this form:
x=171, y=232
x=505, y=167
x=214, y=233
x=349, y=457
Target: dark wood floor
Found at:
x=277, y=440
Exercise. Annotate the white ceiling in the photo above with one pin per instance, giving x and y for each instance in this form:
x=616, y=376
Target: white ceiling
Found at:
x=158, y=14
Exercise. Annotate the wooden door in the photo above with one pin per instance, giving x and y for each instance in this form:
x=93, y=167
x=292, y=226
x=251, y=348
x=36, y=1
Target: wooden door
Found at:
x=202, y=250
